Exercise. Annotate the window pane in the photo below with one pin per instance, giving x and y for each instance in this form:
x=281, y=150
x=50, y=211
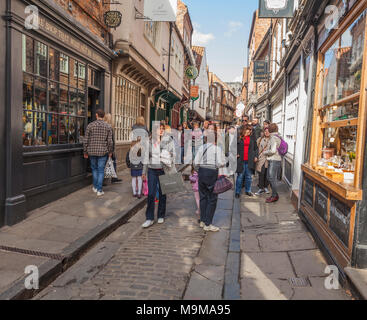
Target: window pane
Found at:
x=73, y=138
x=340, y=142
x=63, y=99
x=81, y=81
x=81, y=103
x=52, y=129
x=40, y=94
x=73, y=73
x=80, y=129
x=329, y=91
x=27, y=91
x=351, y=58
x=346, y=111
x=27, y=128
x=54, y=97
x=64, y=69
x=39, y=129
x=54, y=62
x=41, y=59
x=73, y=101
x=63, y=130
x=28, y=57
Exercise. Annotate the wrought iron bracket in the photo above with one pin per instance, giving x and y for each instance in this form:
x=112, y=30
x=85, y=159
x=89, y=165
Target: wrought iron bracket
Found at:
x=140, y=16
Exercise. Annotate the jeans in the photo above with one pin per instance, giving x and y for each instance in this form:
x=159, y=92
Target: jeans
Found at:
x=273, y=169
x=263, y=178
x=208, y=199
x=247, y=175
x=153, y=187
x=98, y=165
x=182, y=155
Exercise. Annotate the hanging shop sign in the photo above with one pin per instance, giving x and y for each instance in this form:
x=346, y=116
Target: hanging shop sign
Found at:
x=160, y=10
x=276, y=8
x=191, y=72
x=194, y=93
x=112, y=19
x=261, y=71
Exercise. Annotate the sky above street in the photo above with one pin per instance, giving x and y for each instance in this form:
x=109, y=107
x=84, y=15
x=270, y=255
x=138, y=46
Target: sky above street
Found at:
x=223, y=27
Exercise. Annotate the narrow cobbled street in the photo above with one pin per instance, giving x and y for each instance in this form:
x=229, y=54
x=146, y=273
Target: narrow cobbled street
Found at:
x=277, y=258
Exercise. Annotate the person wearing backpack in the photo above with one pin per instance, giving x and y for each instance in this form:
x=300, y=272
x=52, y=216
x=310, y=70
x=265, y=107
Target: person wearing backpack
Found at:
x=277, y=149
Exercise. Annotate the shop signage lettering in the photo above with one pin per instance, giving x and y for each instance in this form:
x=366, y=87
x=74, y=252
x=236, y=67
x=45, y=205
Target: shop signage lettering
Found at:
x=112, y=19
x=160, y=10
x=191, y=72
x=340, y=220
x=70, y=41
x=321, y=203
x=261, y=73
x=276, y=8
x=194, y=93
x=308, y=192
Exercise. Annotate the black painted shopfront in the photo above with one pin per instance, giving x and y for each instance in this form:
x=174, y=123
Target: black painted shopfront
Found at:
x=56, y=77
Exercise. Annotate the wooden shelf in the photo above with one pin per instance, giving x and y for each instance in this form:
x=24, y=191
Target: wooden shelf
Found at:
x=345, y=100
x=340, y=123
x=347, y=192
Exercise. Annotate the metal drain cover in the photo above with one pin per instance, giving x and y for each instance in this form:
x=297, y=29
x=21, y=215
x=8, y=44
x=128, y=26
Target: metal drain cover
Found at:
x=299, y=282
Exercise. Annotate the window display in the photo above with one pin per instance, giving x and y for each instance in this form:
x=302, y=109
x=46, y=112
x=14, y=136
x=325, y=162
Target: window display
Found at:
x=53, y=96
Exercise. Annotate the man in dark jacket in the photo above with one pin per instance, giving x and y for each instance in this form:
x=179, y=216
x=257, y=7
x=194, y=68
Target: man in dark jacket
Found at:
x=256, y=128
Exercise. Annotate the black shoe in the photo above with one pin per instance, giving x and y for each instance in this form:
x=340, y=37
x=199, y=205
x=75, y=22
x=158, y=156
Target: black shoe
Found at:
x=139, y=196
x=116, y=180
x=237, y=195
x=249, y=194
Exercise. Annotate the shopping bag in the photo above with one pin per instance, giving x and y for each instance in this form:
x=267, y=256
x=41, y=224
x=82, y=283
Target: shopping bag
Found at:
x=145, y=188
x=222, y=185
x=109, y=171
x=171, y=183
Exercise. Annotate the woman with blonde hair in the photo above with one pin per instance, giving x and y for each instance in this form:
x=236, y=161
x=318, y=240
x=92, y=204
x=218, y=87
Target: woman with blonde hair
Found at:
x=109, y=119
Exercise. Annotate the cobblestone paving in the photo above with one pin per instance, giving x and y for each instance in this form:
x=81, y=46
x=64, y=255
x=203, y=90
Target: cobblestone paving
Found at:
x=148, y=264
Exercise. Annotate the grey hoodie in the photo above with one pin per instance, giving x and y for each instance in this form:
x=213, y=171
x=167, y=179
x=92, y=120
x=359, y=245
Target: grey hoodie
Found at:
x=272, y=154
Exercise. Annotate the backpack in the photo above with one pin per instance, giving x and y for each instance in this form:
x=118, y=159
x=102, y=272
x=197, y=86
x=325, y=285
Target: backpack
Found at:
x=283, y=147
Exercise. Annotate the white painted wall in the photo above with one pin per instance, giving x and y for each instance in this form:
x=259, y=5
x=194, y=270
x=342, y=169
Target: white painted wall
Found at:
x=203, y=83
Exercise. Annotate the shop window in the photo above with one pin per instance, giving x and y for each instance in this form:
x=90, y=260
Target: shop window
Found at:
x=337, y=122
x=53, y=105
x=127, y=107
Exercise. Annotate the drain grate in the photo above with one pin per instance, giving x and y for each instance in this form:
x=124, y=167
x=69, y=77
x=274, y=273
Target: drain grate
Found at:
x=299, y=282
x=34, y=253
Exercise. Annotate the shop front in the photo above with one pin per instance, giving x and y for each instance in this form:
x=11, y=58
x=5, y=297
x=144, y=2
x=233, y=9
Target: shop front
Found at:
x=334, y=180
x=58, y=78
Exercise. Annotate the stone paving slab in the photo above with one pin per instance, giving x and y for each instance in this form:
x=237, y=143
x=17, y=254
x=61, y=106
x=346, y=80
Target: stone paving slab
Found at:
x=276, y=246
x=266, y=265
x=309, y=263
x=12, y=267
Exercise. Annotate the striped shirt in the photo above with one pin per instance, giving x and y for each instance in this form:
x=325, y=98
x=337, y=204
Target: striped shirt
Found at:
x=98, y=139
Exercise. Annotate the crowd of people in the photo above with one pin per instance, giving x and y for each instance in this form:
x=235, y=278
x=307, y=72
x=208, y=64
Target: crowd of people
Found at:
x=153, y=154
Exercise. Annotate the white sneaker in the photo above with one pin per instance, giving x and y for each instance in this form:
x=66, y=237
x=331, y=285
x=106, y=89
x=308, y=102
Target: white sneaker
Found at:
x=267, y=191
x=211, y=228
x=260, y=192
x=160, y=220
x=100, y=194
x=202, y=224
x=147, y=223
x=95, y=190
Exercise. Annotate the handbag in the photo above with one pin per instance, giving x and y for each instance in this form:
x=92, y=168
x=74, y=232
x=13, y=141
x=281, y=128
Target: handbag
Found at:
x=145, y=188
x=222, y=185
x=171, y=183
x=109, y=171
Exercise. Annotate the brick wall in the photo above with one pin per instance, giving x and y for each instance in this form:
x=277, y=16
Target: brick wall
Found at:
x=89, y=13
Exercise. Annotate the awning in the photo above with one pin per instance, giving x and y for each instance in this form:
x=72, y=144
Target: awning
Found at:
x=168, y=97
x=196, y=116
